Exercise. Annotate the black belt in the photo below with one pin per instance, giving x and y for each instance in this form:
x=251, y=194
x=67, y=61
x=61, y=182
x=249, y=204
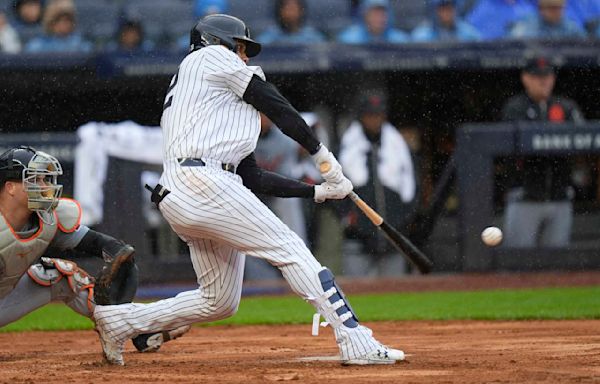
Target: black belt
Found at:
x=191, y=162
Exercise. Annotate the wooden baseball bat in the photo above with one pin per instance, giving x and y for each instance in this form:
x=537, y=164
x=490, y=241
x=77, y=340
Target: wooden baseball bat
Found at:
x=398, y=240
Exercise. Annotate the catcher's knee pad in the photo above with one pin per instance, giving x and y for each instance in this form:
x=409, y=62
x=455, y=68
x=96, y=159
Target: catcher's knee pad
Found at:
x=50, y=271
x=333, y=305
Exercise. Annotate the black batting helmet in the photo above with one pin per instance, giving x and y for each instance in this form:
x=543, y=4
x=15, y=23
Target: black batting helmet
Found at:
x=219, y=29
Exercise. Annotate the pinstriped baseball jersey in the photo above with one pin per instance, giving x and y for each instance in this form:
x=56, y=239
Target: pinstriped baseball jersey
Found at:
x=204, y=114
x=222, y=221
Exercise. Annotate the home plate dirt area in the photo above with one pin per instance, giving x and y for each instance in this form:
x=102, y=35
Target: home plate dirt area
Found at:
x=564, y=351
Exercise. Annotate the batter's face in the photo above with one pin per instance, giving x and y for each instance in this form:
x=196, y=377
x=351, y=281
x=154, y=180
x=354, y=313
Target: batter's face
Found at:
x=241, y=51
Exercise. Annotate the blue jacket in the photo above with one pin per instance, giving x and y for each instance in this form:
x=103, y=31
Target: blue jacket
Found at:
x=67, y=44
x=358, y=34
x=535, y=27
x=580, y=11
x=306, y=35
x=494, y=18
x=429, y=31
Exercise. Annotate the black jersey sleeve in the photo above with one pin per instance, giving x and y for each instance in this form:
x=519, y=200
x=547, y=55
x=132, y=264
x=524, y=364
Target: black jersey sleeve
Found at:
x=266, y=98
x=261, y=181
x=98, y=244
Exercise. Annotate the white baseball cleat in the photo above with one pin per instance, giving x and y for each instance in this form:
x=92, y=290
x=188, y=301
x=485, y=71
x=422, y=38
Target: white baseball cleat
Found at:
x=152, y=342
x=112, y=349
x=381, y=355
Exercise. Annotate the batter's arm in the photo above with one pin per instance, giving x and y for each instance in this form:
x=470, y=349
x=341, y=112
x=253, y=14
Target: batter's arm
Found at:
x=266, y=98
x=261, y=181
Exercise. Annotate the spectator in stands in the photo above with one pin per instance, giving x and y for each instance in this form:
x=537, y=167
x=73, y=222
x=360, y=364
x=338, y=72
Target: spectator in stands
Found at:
x=586, y=13
x=378, y=161
x=27, y=18
x=550, y=22
x=59, y=23
x=494, y=18
x=130, y=38
x=375, y=26
x=445, y=26
x=290, y=27
x=209, y=7
x=9, y=40
x=203, y=8
x=540, y=213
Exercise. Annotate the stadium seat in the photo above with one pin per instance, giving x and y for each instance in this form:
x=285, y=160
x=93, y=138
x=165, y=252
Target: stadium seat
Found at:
x=410, y=13
x=163, y=21
x=258, y=14
x=97, y=20
x=329, y=16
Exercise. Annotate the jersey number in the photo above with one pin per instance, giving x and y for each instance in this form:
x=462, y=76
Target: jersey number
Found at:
x=169, y=101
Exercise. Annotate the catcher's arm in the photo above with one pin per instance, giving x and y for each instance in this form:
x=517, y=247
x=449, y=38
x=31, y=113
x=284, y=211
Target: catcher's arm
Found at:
x=99, y=245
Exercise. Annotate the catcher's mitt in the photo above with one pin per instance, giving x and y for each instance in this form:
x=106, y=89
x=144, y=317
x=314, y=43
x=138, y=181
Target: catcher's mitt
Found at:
x=118, y=279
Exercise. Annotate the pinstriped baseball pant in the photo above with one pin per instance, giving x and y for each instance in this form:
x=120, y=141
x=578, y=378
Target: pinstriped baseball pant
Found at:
x=222, y=221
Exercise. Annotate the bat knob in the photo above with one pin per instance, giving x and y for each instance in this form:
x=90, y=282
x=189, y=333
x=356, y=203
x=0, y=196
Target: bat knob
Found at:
x=324, y=167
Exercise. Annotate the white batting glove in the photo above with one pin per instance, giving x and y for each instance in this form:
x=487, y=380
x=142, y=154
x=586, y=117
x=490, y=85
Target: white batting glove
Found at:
x=334, y=175
x=329, y=191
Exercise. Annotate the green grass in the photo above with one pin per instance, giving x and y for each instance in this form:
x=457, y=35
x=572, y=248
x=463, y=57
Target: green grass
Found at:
x=548, y=303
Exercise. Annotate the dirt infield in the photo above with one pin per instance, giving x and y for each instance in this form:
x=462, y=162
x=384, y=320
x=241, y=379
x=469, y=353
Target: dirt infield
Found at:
x=449, y=352
x=438, y=352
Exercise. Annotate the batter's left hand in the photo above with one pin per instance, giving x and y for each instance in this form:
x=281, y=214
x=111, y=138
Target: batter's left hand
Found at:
x=334, y=172
x=331, y=191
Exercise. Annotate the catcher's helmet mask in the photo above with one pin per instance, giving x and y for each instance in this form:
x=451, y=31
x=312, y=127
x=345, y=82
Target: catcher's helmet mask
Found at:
x=39, y=173
x=219, y=29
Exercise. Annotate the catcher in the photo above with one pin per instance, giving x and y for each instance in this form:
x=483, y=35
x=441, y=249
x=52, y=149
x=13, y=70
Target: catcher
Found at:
x=35, y=220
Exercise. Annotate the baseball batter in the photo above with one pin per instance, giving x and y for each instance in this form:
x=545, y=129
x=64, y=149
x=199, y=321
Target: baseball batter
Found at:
x=33, y=220
x=211, y=125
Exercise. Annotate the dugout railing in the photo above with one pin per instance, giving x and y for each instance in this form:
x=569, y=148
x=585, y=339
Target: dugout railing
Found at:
x=477, y=145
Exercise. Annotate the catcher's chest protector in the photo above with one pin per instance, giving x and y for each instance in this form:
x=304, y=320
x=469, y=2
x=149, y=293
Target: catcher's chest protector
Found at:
x=17, y=255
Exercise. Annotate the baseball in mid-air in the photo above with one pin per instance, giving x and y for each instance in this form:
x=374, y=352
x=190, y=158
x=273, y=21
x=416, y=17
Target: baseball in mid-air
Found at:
x=491, y=236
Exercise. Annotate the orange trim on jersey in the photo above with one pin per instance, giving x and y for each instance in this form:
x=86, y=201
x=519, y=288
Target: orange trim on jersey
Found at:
x=71, y=284
x=90, y=300
x=63, y=229
x=31, y=238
